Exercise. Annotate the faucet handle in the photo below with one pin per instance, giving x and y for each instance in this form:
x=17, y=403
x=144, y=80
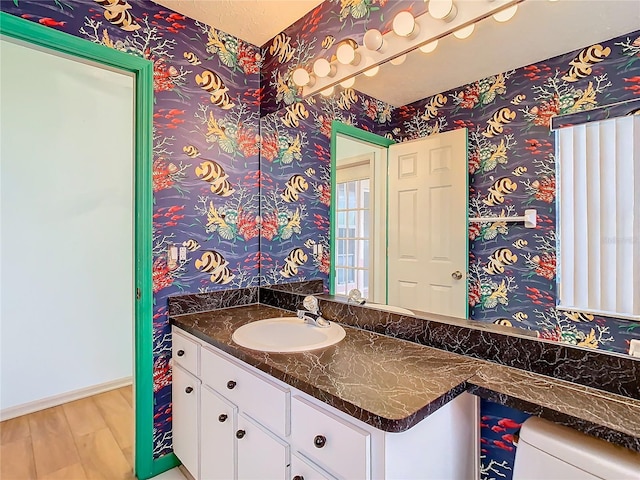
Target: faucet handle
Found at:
x=310, y=303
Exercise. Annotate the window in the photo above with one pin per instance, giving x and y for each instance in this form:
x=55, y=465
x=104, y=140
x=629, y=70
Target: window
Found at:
x=353, y=220
x=599, y=217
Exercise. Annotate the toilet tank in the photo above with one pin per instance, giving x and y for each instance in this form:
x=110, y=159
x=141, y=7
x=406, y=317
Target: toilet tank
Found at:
x=549, y=451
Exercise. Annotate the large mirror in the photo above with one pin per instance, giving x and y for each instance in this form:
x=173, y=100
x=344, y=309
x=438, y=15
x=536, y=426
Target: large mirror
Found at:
x=510, y=274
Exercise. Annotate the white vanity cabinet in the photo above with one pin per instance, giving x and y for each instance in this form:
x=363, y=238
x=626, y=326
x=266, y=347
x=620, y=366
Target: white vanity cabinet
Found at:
x=238, y=423
x=186, y=402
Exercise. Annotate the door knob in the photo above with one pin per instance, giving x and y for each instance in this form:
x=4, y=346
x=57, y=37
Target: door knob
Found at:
x=457, y=275
x=180, y=353
x=188, y=389
x=231, y=384
x=222, y=417
x=240, y=433
x=319, y=441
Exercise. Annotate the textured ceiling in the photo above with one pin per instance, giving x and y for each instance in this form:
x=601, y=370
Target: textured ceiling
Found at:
x=254, y=21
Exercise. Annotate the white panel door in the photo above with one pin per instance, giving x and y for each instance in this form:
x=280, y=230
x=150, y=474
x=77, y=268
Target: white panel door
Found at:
x=427, y=244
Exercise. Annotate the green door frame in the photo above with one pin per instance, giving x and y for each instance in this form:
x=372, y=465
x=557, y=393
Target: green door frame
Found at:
x=34, y=34
x=350, y=131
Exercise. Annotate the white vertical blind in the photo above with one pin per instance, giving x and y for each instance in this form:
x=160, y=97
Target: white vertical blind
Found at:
x=599, y=227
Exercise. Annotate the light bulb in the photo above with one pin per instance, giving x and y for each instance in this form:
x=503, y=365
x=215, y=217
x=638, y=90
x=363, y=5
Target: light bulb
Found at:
x=327, y=92
x=442, y=10
x=404, y=25
x=300, y=77
x=372, y=71
x=429, y=47
x=322, y=68
x=373, y=40
x=465, y=32
x=506, y=14
x=348, y=83
x=346, y=55
x=398, y=60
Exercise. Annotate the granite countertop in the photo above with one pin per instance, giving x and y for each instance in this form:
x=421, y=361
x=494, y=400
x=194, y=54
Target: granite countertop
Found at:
x=393, y=384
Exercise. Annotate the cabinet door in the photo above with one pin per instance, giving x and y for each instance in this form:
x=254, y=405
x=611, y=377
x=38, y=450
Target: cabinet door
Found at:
x=217, y=436
x=185, y=390
x=303, y=469
x=261, y=455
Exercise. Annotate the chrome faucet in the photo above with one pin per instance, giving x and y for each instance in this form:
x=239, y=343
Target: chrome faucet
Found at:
x=356, y=297
x=311, y=314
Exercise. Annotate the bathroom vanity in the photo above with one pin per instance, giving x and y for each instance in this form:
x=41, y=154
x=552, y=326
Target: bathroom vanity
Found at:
x=232, y=420
x=371, y=406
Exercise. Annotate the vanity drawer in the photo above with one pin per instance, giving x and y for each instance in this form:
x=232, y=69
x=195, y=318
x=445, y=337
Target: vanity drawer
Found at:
x=263, y=400
x=341, y=448
x=184, y=352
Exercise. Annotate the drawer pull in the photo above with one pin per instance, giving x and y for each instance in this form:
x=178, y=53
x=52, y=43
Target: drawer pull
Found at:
x=231, y=384
x=180, y=353
x=222, y=417
x=298, y=477
x=319, y=441
x=240, y=433
x=188, y=389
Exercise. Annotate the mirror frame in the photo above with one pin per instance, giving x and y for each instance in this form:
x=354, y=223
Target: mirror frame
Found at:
x=355, y=133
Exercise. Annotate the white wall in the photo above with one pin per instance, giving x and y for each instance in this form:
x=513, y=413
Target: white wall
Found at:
x=66, y=203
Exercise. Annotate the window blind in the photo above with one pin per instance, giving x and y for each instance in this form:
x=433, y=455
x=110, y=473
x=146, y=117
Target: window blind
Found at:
x=599, y=218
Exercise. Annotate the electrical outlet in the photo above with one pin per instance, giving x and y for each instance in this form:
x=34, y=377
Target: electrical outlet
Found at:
x=183, y=254
x=634, y=348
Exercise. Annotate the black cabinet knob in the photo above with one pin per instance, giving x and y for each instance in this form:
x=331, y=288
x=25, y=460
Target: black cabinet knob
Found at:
x=298, y=477
x=319, y=441
x=188, y=389
x=222, y=417
x=180, y=353
x=231, y=384
x=240, y=433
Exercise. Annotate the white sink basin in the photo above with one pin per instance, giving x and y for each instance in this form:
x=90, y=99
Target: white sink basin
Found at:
x=390, y=308
x=286, y=334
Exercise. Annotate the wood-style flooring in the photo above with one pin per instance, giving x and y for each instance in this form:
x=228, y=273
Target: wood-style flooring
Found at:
x=91, y=438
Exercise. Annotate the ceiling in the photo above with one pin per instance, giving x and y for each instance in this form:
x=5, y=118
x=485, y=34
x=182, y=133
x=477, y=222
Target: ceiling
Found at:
x=254, y=21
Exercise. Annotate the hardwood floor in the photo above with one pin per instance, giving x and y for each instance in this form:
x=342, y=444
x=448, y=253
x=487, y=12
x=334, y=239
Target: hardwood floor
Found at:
x=91, y=438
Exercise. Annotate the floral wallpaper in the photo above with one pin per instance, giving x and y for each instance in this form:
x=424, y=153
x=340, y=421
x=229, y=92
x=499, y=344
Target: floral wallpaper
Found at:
x=205, y=152
x=499, y=428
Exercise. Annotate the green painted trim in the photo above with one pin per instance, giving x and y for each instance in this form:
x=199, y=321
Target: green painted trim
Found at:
x=45, y=37
x=359, y=134
x=466, y=149
x=163, y=464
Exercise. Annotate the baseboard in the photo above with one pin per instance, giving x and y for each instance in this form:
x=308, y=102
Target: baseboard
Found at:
x=30, y=407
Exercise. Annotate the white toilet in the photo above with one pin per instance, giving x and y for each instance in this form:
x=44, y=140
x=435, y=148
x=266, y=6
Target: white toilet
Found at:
x=547, y=451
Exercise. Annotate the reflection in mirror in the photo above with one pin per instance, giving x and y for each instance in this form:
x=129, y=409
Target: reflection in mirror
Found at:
x=512, y=271
x=358, y=226
x=399, y=221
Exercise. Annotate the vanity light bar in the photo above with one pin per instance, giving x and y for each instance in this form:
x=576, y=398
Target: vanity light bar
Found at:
x=428, y=29
x=529, y=218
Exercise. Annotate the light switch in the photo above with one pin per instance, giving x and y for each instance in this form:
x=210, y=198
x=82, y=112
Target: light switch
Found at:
x=634, y=348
